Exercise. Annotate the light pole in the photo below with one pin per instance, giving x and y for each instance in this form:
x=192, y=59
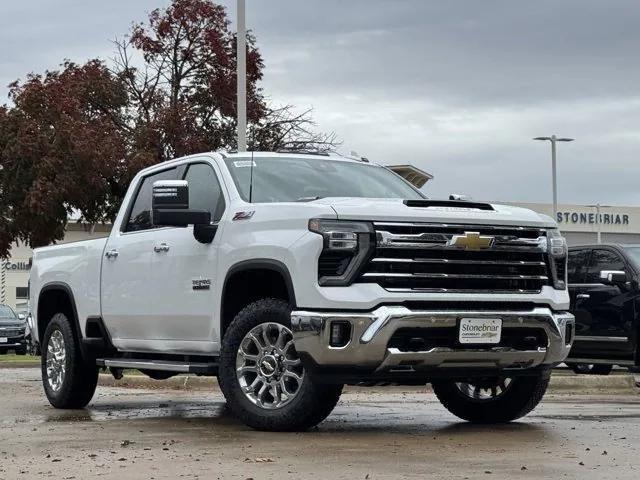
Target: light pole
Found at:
x=242, y=77
x=553, y=139
x=598, y=207
x=3, y=281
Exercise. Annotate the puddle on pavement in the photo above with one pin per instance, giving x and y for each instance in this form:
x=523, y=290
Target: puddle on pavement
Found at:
x=140, y=411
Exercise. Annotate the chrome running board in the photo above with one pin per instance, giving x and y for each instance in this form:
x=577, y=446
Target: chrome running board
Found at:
x=161, y=365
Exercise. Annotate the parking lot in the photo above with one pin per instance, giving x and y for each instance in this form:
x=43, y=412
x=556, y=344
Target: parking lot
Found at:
x=161, y=433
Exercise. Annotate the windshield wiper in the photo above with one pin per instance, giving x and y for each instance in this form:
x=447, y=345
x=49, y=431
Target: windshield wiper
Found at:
x=308, y=199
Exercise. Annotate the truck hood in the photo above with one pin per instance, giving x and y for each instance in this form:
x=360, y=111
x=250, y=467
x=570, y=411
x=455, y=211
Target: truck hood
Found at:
x=394, y=210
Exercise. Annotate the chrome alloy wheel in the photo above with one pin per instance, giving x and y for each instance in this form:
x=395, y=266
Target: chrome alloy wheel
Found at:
x=482, y=391
x=268, y=368
x=56, y=360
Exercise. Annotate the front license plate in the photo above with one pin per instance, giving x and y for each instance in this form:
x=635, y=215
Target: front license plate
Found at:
x=480, y=330
x=3, y=340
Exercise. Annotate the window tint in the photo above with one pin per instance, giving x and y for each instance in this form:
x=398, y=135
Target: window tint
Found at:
x=140, y=215
x=577, y=265
x=603, y=260
x=204, y=190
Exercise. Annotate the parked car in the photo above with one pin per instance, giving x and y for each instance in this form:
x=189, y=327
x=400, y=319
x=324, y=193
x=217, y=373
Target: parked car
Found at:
x=289, y=275
x=12, y=331
x=605, y=299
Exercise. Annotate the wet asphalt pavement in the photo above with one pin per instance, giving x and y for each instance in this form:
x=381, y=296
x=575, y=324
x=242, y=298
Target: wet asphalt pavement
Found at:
x=373, y=434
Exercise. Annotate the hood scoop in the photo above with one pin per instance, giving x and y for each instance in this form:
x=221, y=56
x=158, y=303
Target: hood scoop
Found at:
x=448, y=204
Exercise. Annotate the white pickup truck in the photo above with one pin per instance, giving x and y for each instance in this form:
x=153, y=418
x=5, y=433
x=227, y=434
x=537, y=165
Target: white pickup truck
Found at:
x=290, y=275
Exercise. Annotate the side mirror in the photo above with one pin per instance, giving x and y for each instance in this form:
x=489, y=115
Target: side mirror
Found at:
x=21, y=316
x=170, y=205
x=460, y=197
x=613, y=277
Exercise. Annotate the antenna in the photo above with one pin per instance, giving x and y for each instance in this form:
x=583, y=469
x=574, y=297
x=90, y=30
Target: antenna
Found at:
x=251, y=181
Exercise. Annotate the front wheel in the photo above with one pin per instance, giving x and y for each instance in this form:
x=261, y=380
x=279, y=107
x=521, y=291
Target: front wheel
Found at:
x=21, y=350
x=492, y=400
x=68, y=381
x=262, y=377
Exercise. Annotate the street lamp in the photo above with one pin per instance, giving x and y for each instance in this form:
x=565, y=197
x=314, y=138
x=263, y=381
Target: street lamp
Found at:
x=241, y=74
x=553, y=139
x=598, y=207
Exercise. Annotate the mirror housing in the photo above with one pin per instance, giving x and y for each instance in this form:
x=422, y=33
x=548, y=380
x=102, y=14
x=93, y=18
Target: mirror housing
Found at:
x=460, y=197
x=22, y=316
x=170, y=205
x=613, y=277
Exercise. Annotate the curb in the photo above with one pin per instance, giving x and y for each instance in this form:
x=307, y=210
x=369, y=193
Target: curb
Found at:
x=4, y=365
x=624, y=384
x=561, y=382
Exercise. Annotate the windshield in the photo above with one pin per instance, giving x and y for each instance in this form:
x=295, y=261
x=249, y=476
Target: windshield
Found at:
x=6, y=313
x=288, y=179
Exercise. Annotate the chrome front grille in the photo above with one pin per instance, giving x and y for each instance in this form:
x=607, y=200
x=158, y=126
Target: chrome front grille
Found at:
x=418, y=257
x=11, y=331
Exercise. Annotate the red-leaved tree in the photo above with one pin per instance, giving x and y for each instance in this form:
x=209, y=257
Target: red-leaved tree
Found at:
x=72, y=139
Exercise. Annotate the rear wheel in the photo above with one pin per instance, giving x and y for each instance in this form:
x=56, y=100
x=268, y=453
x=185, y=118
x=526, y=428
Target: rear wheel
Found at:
x=262, y=376
x=492, y=400
x=68, y=381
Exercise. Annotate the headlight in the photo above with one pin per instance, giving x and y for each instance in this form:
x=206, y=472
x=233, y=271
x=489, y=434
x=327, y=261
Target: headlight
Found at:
x=557, y=248
x=346, y=246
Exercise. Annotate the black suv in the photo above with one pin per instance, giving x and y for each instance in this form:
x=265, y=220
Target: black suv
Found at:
x=605, y=299
x=12, y=331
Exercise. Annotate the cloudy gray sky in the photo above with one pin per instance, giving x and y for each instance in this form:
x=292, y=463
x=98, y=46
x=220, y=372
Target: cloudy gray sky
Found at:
x=458, y=88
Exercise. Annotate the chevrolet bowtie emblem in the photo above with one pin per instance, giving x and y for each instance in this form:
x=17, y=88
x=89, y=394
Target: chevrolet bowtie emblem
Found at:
x=471, y=241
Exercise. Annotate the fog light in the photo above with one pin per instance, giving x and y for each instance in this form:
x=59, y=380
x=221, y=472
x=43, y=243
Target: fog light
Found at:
x=340, y=334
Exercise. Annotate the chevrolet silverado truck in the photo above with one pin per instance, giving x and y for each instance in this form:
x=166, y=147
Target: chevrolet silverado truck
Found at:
x=288, y=276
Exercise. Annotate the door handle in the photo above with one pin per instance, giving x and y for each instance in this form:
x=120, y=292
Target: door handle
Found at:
x=163, y=247
x=111, y=253
x=581, y=296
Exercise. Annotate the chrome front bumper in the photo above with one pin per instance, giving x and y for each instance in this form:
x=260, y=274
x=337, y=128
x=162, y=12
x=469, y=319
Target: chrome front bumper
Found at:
x=371, y=332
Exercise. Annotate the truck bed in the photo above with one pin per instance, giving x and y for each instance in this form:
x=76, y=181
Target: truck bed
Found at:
x=75, y=265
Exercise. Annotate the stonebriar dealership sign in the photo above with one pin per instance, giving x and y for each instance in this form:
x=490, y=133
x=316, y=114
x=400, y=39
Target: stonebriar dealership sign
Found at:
x=592, y=218
x=583, y=218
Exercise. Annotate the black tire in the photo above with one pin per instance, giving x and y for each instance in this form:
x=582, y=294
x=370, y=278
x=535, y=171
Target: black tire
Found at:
x=80, y=379
x=520, y=398
x=590, y=368
x=311, y=405
x=21, y=351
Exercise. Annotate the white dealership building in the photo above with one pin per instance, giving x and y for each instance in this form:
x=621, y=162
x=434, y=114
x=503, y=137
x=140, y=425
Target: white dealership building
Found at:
x=579, y=223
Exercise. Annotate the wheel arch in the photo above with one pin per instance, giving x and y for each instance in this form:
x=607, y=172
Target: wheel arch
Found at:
x=57, y=297
x=277, y=283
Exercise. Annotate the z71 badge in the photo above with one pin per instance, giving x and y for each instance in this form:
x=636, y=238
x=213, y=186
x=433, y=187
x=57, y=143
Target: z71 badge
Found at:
x=201, y=284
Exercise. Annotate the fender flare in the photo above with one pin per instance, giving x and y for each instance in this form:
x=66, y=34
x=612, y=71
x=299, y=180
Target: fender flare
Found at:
x=259, y=264
x=63, y=287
